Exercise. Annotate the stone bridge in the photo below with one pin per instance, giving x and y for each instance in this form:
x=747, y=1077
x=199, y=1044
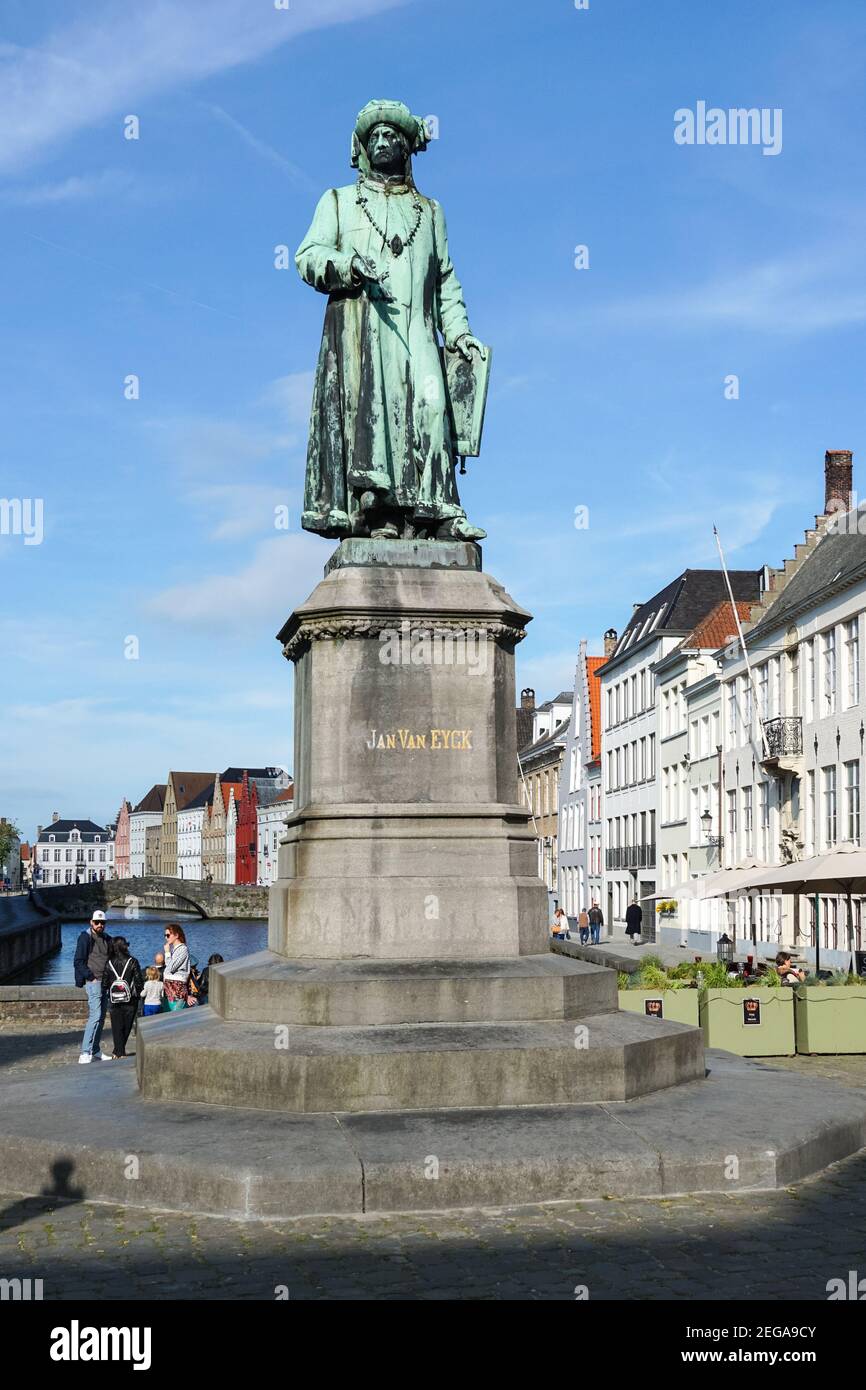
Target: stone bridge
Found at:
x=76, y=901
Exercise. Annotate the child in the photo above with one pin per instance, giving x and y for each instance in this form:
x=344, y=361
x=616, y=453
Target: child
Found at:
x=153, y=992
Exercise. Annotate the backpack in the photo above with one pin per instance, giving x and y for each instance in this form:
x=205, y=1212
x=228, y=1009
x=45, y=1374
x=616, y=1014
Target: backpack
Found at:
x=119, y=991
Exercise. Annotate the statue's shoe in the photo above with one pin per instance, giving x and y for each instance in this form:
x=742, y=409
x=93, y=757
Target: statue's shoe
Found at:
x=460, y=529
x=388, y=532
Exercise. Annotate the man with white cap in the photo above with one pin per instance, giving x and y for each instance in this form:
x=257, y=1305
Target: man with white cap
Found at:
x=91, y=958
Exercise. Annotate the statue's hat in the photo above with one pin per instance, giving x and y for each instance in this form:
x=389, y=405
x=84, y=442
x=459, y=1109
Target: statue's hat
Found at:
x=393, y=113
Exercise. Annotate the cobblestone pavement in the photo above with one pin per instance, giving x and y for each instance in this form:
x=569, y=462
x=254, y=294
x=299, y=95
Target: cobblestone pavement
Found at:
x=777, y=1245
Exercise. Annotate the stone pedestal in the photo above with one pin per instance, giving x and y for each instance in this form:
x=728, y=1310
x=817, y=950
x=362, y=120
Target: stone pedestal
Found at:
x=407, y=842
x=408, y=931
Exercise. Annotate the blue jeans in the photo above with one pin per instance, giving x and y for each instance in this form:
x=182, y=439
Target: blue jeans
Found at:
x=584, y=935
x=594, y=932
x=97, y=1000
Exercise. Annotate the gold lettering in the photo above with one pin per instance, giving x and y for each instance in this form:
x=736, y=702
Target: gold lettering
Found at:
x=392, y=742
x=434, y=738
x=404, y=734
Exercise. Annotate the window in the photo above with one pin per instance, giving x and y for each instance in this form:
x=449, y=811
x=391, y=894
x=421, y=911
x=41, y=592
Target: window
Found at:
x=811, y=680
x=748, y=845
x=90, y=855
x=828, y=665
x=829, y=775
x=705, y=736
x=51, y=839
x=666, y=713
x=732, y=715
x=852, y=801
x=764, y=824
x=775, y=665
x=732, y=819
x=764, y=691
x=811, y=814
x=852, y=663
x=652, y=756
x=716, y=729
x=794, y=671
x=68, y=856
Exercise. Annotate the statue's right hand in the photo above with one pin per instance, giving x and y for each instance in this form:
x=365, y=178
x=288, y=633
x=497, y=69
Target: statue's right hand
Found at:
x=367, y=270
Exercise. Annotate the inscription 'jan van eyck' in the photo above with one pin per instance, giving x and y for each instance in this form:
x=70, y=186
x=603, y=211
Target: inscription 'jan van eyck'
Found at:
x=458, y=740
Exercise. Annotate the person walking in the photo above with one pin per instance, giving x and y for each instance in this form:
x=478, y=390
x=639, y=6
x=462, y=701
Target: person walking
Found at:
x=177, y=967
x=633, y=919
x=123, y=978
x=91, y=958
x=559, y=925
x=583, y=926
x=596, y=922
x=153, y=993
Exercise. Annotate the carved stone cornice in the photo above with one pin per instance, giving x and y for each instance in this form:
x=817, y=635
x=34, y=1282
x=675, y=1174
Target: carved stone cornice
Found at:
x=341, y=628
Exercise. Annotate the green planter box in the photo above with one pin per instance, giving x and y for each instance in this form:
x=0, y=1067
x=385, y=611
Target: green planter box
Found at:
x=830, y=1018
x=723, y=1016
x=678, y=1005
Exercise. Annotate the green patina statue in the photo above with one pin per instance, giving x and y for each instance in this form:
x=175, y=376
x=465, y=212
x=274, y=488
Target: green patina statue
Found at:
x=382, y=448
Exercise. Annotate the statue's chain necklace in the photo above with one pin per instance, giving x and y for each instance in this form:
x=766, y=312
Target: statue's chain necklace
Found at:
x=396, y=245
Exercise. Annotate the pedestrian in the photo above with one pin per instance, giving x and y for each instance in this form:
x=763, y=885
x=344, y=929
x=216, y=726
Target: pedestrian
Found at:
x=583, y=926
x=153, y=993
x=177, y=967
x=204, y=985
x=159, y=963
x=91, y=958
x=596, y=922
x=633, y=919
x=123, y=978
x=559, y=925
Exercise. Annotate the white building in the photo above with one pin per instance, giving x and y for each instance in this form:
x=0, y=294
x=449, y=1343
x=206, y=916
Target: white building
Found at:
x=231, y=836
x=579, y=828
x=147, y=812
x=688, y=698
x=631, y=723
x=73, y=851
x=272, y=820
x=190, y=822
x=794, y=734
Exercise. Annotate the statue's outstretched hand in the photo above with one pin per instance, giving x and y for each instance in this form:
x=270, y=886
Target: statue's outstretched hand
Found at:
x=365, y=270
x=465, y=345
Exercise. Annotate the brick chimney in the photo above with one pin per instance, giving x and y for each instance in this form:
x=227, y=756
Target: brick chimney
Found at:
x=610, y=641
x=838, y=478
x=527, y=698
x=55, y=815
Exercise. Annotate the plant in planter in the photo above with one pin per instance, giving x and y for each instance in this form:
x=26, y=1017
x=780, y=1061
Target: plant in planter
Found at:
x=830, y=1014
x=667, y=908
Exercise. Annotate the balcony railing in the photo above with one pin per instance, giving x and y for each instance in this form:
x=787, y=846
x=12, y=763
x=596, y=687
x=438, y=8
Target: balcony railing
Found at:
x=784, y=736
x=631, y=857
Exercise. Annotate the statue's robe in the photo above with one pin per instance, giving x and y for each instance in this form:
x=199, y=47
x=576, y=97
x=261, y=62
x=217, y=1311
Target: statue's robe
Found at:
x=379, y=420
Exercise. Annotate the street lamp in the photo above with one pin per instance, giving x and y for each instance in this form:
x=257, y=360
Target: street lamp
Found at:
x=707, y=825
x=725, y=949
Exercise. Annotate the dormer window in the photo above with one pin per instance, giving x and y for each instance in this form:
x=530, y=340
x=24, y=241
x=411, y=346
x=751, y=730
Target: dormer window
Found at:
x=51, y=839
x=97, y=838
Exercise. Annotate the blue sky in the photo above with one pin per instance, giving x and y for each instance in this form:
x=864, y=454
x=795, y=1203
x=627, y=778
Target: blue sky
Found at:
x=155, y=257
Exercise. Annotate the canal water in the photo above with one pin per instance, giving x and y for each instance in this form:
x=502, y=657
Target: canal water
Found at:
x=146, y=936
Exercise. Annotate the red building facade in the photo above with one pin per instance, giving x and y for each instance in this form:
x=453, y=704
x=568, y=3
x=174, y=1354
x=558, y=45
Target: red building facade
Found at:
x=246, y=843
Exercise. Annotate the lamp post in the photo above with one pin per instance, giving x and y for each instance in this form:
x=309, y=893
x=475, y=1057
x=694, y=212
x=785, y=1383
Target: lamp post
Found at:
x=724, y=949
x=715, y=841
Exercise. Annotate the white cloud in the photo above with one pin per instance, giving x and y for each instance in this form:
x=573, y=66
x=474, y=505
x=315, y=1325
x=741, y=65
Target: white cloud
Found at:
x=77, y=187
x=262, y=148
x=112, y=59
x=806, y=292
x=293, y=395
x=280, y=575
x=244, y=509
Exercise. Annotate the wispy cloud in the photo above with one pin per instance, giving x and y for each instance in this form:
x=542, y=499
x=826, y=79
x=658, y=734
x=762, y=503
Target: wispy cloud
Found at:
x=262, y=148
x=109, y=182
x=114, y=57
x=281, y=574
x=804, y=292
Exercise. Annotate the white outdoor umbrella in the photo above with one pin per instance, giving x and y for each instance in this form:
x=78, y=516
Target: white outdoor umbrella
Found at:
x=842, y=869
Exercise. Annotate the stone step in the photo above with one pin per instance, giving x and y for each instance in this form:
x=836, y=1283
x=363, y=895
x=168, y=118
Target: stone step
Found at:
x=199, y=1057
x=268, y=988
